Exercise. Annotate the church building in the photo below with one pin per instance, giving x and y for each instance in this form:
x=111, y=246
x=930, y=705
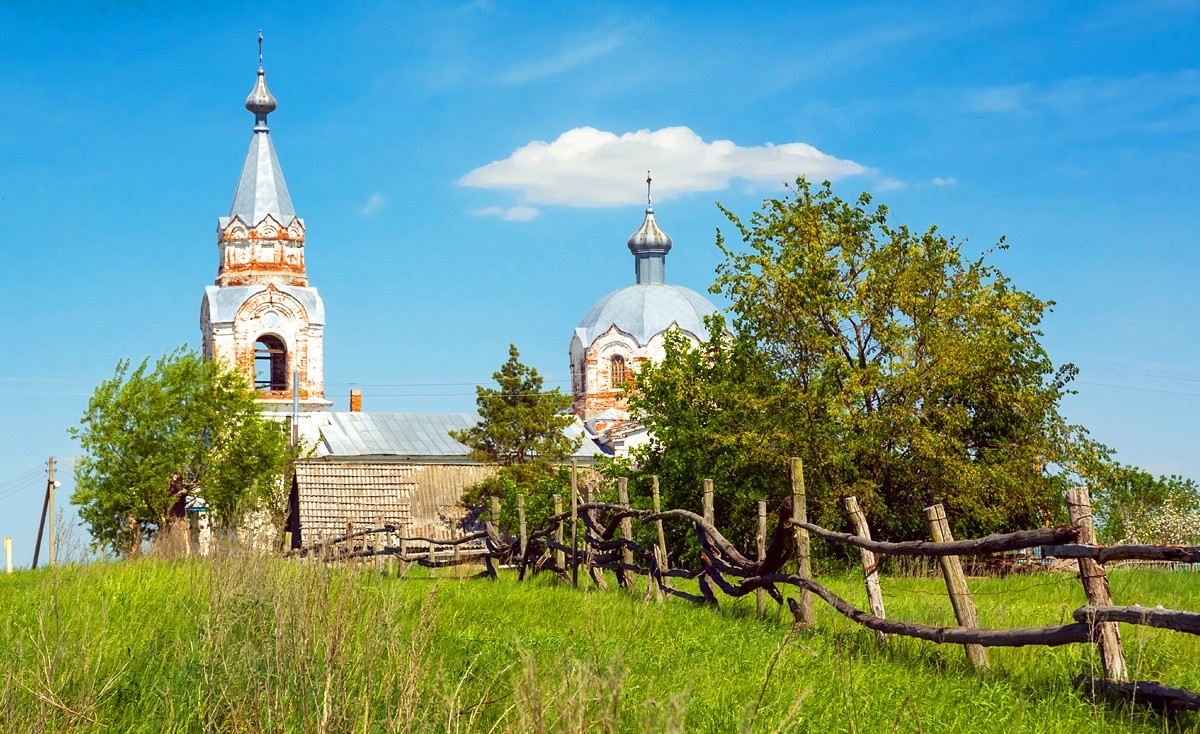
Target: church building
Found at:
x=624, y=329
x=263, y=318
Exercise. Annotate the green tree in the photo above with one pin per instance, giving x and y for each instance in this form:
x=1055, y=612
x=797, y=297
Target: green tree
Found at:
x=521, y=429
x=1134, y=506
x=900, y=370
x=518, y=421
x=154, y=434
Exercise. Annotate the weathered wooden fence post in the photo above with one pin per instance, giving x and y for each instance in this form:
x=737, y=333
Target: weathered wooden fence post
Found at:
x=390, y=567
x=560, y=558
x=348, y=546
x=800, y=538
x=377, y=544
x=858, y=520
x=956, y=581
x=760, y=598
x=1095, y=586
x=8, y=555
x=575, y=523
x=495, y=507
x=287, y=542
x=662, y=538
x=660, y=565
x=626, y=534
x=432, y=562
x=521, y=525
x=589, y=549
x=706, y=510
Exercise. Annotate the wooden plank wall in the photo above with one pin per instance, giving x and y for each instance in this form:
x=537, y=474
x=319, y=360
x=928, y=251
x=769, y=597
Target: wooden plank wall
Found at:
x=421, y=498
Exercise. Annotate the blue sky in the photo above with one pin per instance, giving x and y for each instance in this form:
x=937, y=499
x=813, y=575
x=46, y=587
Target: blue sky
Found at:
x=469, y=174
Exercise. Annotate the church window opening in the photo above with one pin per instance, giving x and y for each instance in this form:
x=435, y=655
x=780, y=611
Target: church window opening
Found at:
x=618, y=372
x=270, y=363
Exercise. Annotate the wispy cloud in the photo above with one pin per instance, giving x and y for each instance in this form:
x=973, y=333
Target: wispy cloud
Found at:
x=863, y=47
x=939, y=181
x=1104, y=105
x=1009, y=98
x=577, y=53
x=890, y=184
x=595, y=168
x=509, y=214
x=373, y=204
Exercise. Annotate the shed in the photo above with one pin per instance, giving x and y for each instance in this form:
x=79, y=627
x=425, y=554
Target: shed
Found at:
x=398, y=468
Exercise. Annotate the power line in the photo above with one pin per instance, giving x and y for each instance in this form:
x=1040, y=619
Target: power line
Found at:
x=473, y=383
x=1139, y=389
x=1142, y=374
x=25, y=475
x=29, y=484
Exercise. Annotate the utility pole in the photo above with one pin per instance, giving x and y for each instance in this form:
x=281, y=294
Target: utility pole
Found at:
x=51, y=485
x=295, y=412
x=8, y=555
x=47, y=506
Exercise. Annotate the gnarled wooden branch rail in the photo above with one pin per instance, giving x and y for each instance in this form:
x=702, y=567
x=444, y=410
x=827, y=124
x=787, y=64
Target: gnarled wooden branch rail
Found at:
x=726, y=569
x=997, y=543
x=1110, y=554
x=1148, y=616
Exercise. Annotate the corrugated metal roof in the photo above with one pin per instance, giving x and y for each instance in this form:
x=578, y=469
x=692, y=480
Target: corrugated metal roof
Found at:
x=411, y=435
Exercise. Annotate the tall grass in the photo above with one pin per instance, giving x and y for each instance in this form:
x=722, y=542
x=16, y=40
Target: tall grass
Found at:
x=243, y=643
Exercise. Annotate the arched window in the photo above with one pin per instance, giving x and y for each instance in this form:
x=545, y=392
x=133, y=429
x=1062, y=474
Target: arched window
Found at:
x=617, y=371
x=270, y=363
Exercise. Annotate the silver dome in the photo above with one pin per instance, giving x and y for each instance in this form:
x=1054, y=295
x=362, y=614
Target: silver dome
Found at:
x=646, y=309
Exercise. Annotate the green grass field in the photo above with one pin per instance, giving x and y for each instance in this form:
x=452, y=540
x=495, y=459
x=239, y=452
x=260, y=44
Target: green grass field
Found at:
x=253, y=644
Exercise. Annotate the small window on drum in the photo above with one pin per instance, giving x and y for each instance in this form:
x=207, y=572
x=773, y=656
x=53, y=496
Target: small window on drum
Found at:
x=617, y=370
x=270, y=363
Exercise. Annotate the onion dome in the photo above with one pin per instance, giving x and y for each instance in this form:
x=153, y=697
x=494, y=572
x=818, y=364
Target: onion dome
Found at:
x=650, y=306
x=261, y=102
x=649, y=245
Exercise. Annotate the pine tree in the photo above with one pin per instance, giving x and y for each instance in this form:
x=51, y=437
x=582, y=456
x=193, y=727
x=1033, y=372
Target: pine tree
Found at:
x=518, y=421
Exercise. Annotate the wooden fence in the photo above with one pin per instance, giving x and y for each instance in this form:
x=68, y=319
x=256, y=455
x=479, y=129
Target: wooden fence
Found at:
x=592, y=537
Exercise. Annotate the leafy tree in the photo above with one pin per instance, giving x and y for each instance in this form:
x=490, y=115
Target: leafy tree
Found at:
x=1134, y=506
x=521, y=429
x=899, y=369
x=152, y=435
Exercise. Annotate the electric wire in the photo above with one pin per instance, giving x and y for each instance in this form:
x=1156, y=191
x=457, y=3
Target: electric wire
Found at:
x=14, y=491
x=23, y=476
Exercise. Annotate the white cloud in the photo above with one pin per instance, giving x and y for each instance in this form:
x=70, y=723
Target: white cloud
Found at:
x=589, y=167
x=373, y=204
x=577, y=54
x=890, y=184
x=939, y=181
x=509, y=214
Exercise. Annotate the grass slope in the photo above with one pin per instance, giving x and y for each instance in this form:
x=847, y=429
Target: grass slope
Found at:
x=252, y=644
